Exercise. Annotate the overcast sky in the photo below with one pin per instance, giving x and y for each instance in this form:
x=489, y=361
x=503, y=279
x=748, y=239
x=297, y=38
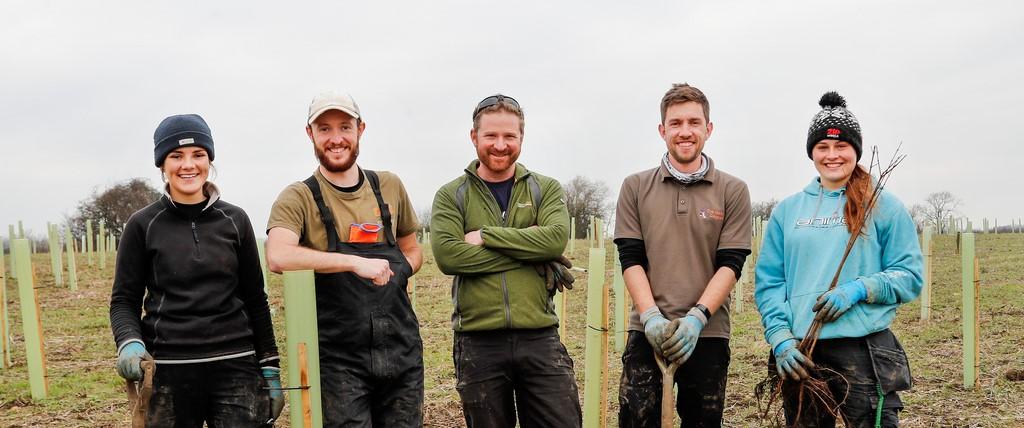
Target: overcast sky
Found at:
x=82, y=87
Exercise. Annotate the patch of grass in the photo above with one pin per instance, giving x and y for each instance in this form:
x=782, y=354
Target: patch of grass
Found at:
x=85, y=391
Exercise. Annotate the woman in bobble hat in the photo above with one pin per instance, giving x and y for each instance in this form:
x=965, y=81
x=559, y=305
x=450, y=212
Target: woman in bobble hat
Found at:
x=803, y=245
x=191, y=261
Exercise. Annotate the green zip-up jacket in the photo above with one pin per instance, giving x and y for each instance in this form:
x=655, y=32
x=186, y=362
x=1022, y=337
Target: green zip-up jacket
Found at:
x=495, y=286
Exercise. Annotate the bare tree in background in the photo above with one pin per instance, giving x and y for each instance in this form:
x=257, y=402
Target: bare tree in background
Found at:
x=423, y=216
x=113, y=205
x=585, y=198
x=937, y=208
x=763, y=209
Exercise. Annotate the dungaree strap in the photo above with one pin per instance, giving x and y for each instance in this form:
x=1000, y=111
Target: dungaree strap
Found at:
x=325, y=213
x=385, y=211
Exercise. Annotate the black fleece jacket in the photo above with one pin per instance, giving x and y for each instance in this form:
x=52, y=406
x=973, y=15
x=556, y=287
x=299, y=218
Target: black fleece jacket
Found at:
x=199, y=280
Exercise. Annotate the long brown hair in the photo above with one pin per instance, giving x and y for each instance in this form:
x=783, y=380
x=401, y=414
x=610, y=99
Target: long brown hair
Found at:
x=858, y=190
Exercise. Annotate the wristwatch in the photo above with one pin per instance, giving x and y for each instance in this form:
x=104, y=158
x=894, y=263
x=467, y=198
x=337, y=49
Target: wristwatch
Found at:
x=704, y=309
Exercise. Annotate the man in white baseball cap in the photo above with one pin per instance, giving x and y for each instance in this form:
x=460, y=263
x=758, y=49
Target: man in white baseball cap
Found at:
x=356, y=229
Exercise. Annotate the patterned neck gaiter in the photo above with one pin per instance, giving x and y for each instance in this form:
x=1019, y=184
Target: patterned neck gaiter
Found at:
x=687, y=178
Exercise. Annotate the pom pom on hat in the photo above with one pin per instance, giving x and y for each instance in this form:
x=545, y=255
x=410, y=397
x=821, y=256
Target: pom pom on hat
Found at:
x=835, y=122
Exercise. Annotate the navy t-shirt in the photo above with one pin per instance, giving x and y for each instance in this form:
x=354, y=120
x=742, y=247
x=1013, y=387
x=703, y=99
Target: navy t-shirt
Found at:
x=502, y=192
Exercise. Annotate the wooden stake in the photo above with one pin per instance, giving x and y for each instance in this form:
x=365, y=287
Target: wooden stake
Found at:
x=302, y=337
x=926, y=289
x=5, y=336
x=307, y=404
x=30, y=322
x=970, y=311
x=69, y=242
x=597, y=342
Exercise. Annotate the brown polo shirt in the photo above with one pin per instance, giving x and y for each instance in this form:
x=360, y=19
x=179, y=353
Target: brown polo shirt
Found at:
x=682, y=227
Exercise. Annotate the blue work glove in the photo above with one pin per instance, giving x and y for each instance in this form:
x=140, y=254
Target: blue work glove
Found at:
x=272, y=375
x=129, y=358
x=790, y=362
x=680, y=344
x=835, y=302
x=654, y=327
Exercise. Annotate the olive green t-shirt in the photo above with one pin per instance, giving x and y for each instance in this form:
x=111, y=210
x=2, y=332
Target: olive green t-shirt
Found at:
x=296, y=210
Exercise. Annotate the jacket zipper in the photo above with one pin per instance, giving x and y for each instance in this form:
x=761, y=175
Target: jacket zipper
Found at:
x=195, y=236
x=504, y=286
x=504, y=222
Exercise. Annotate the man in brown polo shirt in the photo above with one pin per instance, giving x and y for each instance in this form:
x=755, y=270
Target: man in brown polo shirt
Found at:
x=683, y=233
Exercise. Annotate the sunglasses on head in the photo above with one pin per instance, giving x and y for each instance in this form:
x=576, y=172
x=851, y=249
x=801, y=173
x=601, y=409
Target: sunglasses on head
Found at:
x=494, y=100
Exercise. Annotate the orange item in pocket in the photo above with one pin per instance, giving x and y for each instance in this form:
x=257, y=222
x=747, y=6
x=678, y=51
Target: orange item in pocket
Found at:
x=364, y=233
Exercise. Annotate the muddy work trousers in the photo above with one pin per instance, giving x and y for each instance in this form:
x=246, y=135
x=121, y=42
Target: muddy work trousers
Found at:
x=700, y=383
x=355, y=396
x=850, y=367
x=225, y=393
x=499, y=370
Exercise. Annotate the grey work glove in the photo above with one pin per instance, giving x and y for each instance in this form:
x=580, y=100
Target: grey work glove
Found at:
x=790, y=362
x=683, y=340
x=556, y=274
x=655, y=328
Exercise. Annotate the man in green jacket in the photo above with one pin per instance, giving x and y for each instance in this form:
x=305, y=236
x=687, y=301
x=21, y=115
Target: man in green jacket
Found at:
x=491, y=227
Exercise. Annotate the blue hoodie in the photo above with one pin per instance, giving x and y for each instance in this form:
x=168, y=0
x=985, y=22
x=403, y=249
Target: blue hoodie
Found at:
x=803, y=244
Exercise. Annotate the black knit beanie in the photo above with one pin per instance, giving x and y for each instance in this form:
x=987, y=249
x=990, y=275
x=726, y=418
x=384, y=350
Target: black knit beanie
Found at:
x=178, y=131
x=834, y=122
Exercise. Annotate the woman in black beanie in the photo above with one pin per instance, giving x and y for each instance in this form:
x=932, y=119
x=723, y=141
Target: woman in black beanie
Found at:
x=856, y=353
x=191, y=261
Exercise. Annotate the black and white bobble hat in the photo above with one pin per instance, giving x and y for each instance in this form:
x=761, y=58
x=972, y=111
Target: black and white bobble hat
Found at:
x=834, y=122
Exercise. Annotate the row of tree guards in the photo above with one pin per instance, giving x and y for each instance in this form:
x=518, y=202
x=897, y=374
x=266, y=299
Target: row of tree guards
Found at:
x=21, y=269
x=959, y=225
x=301, y=339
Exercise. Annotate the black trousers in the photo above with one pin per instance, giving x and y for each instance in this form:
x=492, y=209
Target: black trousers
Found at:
x=225, y=393
x=355, y=395
x=502, y=369
x=857, y=371
x=700, y=382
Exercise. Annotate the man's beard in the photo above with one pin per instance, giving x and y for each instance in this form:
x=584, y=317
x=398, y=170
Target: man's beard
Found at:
x=495, y=165
x=335, y=166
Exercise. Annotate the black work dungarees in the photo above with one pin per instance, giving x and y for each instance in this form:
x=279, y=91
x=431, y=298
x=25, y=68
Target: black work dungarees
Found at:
x=371, y=355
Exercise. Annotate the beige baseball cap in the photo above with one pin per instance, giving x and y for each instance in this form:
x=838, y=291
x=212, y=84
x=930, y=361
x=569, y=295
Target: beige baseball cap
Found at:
x=332, y=101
